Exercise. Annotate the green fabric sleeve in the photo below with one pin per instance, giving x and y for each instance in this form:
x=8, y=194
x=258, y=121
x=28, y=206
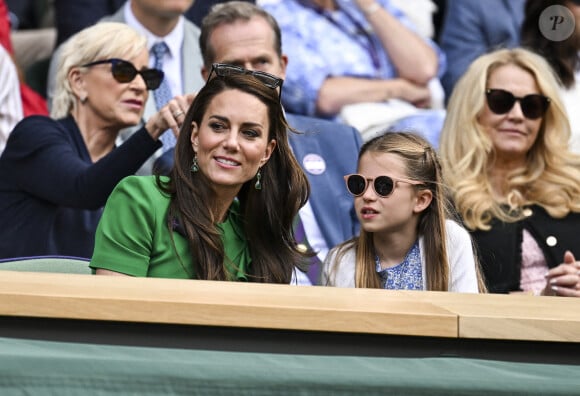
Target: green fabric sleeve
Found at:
x=132, y=237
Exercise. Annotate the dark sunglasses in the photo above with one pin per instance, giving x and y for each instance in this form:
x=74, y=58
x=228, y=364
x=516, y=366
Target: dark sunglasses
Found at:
x=383, y=185
x=533, y=106
x=224, y=70
x=125, y=72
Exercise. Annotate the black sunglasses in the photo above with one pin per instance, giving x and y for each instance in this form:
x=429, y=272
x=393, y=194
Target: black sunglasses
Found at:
x=533, y=106
x=383, y=185
x=125, y=72
x=224, y=70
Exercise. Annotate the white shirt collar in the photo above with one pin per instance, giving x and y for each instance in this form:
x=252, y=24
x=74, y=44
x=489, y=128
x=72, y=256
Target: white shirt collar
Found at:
x=174, y=39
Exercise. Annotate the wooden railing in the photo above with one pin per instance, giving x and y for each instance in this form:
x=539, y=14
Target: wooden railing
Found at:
x=261, y=306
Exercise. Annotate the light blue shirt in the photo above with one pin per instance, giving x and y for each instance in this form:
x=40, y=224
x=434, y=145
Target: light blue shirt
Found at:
x=330, y=44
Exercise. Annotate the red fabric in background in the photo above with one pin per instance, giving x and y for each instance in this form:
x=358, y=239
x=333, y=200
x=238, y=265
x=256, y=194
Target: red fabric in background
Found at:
x=32, y=102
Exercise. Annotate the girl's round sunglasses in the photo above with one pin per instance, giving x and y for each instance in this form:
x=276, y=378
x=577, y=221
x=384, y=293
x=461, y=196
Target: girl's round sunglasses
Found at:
x=383, y=185
x=533, y=106
x=124, y=72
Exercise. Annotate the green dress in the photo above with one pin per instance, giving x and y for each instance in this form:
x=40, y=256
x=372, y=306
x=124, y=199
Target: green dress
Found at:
x=133, y=238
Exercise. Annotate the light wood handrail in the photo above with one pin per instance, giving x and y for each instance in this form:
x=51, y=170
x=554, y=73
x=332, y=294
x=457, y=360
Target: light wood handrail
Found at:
x=231, y=304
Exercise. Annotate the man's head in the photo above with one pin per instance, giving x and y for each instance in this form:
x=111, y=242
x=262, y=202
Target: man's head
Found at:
x=242, y=34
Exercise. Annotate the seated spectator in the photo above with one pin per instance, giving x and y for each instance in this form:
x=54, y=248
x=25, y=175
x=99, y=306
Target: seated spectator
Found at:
x=563, y=56
x=226, y=212
x=472, y=28
x=516, y=184
x=10, y=100
x=245, y=35
x=173, y=44
x=56, y=174
x=408, y=237
x=360, y=62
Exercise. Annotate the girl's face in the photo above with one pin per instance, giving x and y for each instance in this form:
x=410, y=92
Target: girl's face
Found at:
x=398, y=212
x=512, y=134
x=231, y=142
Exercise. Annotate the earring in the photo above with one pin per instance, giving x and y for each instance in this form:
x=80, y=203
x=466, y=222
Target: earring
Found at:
x=83, y=98
x=258, y=185
x=194, y=166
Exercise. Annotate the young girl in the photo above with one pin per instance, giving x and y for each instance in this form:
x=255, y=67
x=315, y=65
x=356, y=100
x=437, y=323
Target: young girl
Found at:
x=407, y=239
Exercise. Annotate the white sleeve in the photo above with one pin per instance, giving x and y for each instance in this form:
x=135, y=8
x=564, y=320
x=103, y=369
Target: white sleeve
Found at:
x=462, y=277
x=10, y=99
x=339, y=273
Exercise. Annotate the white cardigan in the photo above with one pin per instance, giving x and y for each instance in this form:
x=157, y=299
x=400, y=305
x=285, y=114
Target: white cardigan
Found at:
x=462, y=277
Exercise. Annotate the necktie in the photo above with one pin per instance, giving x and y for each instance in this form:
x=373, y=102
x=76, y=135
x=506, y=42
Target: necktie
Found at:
x=314, y=264
x=162, y=94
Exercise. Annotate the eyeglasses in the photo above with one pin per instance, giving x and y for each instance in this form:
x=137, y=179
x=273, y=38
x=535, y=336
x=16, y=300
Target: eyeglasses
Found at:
x=533, y=106
x=383, y=185
x=125, y=72
x=224, y=70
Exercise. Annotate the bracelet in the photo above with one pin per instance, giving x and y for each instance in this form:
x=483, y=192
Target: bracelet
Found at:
x=371, y=9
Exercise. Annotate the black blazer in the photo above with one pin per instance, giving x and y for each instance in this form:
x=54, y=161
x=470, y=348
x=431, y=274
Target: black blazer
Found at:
x=500, y=248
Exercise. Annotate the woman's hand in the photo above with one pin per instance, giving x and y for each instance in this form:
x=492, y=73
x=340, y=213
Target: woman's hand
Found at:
x=170, y=116
x=564, y=280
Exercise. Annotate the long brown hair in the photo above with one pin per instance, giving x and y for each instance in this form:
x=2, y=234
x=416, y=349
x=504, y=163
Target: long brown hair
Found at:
x=267, y=214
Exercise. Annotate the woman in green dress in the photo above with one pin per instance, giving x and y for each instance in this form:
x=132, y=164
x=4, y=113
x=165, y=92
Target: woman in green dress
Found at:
x=226, y=212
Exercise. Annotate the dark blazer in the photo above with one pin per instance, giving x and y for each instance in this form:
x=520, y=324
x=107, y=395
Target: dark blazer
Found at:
x=471, y=28
x=326, y=151
x=500, y=248
x=51, y=192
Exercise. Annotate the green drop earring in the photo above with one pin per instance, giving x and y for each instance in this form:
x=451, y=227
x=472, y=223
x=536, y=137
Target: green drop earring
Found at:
x=194, y=166
x=258, y=185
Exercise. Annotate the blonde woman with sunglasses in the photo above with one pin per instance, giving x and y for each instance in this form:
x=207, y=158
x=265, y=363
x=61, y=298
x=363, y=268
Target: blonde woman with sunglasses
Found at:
x=57, y=173
x=408, y=239
x=515, y=182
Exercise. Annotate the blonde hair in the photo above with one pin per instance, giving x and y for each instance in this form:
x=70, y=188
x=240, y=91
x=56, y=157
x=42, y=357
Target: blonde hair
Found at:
x=551, y=177
x=101, y=41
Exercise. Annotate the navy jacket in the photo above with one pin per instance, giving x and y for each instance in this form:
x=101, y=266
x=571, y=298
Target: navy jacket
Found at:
x=51, y=193
x=500, y=248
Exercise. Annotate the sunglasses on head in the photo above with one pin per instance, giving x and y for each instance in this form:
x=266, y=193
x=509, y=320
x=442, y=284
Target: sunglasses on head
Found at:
x=383, y=185
x=533, y=106
x=224, y=70
x=125, y=72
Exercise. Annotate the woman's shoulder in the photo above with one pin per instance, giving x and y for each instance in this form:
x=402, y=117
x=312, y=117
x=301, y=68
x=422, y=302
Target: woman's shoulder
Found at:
x=143, y=186
x=27, y=130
